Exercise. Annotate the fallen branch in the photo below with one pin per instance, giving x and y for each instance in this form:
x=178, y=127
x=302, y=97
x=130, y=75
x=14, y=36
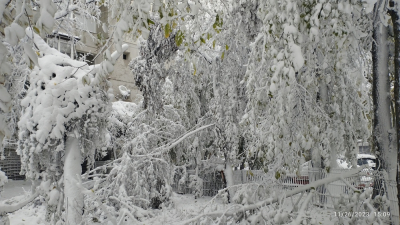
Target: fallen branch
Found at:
x=349, y=185
x=12, y=208
x=110, y=218
x=108, y=165
x=139, y=212
x=303, y=208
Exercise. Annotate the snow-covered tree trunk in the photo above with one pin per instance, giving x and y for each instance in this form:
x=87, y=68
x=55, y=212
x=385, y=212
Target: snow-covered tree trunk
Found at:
x=72, y=177
x=384, y=137
x=228, y=172
x=382, y=123
x=394, y=13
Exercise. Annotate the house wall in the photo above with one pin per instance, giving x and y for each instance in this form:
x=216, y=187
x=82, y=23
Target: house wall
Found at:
x=122, y=75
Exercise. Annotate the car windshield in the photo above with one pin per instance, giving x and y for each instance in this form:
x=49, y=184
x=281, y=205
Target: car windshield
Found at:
x=364, y=161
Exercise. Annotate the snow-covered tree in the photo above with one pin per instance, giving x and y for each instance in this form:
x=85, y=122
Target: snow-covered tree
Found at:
x=63, y=122
x=303, y=92
x=281, y=80
x=42, y=16
x=384, y=130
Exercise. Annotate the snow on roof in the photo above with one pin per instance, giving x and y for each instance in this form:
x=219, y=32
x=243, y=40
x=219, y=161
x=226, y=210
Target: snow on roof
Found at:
x=63, y=35
x=360, y=156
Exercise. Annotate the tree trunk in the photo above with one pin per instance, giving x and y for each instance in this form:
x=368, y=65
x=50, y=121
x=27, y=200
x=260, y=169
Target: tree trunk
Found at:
x=228, y=173
x=72, y=176
x=396, y=26
x=383, y=137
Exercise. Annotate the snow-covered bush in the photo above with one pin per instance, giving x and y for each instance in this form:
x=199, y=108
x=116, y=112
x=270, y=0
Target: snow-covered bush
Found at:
x=196, y=184
x=142, y=181
x=122, y=114
x=180, y=175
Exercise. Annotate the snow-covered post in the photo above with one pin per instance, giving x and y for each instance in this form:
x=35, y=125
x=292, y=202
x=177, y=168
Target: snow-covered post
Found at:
x=384, y=136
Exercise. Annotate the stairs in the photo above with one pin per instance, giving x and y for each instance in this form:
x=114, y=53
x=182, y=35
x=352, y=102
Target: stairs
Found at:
x=11, y=165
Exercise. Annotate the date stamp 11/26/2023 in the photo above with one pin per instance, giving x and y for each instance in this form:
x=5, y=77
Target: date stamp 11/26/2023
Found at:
x=361, y=214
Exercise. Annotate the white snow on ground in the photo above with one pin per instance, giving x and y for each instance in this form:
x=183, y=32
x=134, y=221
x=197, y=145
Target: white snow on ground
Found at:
x=29, y=215
x=15, y=191
x=184, y=207
x=14, y=188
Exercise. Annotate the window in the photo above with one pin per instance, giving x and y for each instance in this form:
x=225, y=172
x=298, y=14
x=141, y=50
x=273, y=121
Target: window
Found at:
x=366, y=161
x=125, y=55
x=63, y=43
x=364, y=149
x=52, y=42
x=65, y=47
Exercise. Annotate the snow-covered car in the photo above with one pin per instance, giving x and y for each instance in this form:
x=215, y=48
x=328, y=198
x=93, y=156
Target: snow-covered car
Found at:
x=362, y=159
x=366, y=176
x=366, y=180
x=366, y=159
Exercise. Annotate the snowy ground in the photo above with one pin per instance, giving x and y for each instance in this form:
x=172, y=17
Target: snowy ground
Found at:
x=29, y=215
x=15, y=191
x=14, y=188
x=183, y=208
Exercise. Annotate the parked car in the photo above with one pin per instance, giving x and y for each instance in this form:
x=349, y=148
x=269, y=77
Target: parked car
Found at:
x=363, y=159
x=366, y=177
x=367, y=180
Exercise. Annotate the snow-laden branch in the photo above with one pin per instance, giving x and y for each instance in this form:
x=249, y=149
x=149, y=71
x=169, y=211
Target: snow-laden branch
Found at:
x=348, y=184
x=170, y=146
x=303, y=208
x=12, y=208
x=139, y=114
x=275, y=199
x=84, y=176
x=137, y=211
x=84, y=190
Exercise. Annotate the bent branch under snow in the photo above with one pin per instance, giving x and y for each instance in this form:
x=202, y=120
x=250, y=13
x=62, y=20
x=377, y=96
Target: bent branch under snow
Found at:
x=12, y=208
x=168, y=147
